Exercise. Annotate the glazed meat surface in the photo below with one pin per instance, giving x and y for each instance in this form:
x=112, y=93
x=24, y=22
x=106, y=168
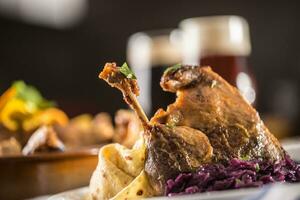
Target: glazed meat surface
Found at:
x=169, y=149
x=210, y=122
x=173, y=150
x=206, y=102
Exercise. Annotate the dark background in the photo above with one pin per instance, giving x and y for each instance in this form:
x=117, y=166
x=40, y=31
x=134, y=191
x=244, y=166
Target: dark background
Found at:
x=64, y=64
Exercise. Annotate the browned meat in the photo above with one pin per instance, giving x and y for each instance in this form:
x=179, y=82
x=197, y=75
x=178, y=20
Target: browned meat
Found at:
x=174, y=149
x=170, y=149
x=206, y=102
x=209, y=122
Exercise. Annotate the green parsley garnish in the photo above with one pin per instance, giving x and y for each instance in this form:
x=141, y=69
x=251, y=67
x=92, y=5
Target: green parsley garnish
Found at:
x=124, y=69
x=257, y=168
x=172, y=68
x=213, y=84
x=30, y=94
x=245, y=158
x=238, y=181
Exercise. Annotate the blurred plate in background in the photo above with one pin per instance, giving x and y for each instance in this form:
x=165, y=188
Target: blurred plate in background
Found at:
x=46, y=173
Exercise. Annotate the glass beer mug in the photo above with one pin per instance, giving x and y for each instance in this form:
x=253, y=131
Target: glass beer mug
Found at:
x=149, y=54
x=223, y=43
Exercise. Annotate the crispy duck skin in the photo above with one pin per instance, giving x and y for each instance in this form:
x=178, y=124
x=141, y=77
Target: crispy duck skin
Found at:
x=169, y=149
x=173, y=150
x=206, y=102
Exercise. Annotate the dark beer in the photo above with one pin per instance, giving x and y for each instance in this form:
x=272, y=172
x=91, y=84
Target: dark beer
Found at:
x=223, y=43
x=149, y=54
x=159, y=98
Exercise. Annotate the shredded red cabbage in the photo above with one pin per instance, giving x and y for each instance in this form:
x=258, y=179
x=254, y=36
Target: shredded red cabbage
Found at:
x=235, y=174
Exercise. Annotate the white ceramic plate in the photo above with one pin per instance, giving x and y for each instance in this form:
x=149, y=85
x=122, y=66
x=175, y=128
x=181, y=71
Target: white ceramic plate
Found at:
x=82, y=193
x=253, y=193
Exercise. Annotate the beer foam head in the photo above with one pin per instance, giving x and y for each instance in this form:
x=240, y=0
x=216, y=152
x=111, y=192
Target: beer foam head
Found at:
x=215, y=35
x=153, y=48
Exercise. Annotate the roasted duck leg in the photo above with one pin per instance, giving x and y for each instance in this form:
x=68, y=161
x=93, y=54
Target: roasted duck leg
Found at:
x=206, y=102
x=169, y=149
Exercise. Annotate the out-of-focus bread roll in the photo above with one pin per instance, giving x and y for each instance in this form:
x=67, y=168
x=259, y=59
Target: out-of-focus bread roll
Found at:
x=85, y=130
x=128, y=128
x=102, y=127
x=10, y=147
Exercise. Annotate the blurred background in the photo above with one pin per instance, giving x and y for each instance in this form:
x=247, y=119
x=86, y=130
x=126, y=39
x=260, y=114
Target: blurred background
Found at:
x=61, y=45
